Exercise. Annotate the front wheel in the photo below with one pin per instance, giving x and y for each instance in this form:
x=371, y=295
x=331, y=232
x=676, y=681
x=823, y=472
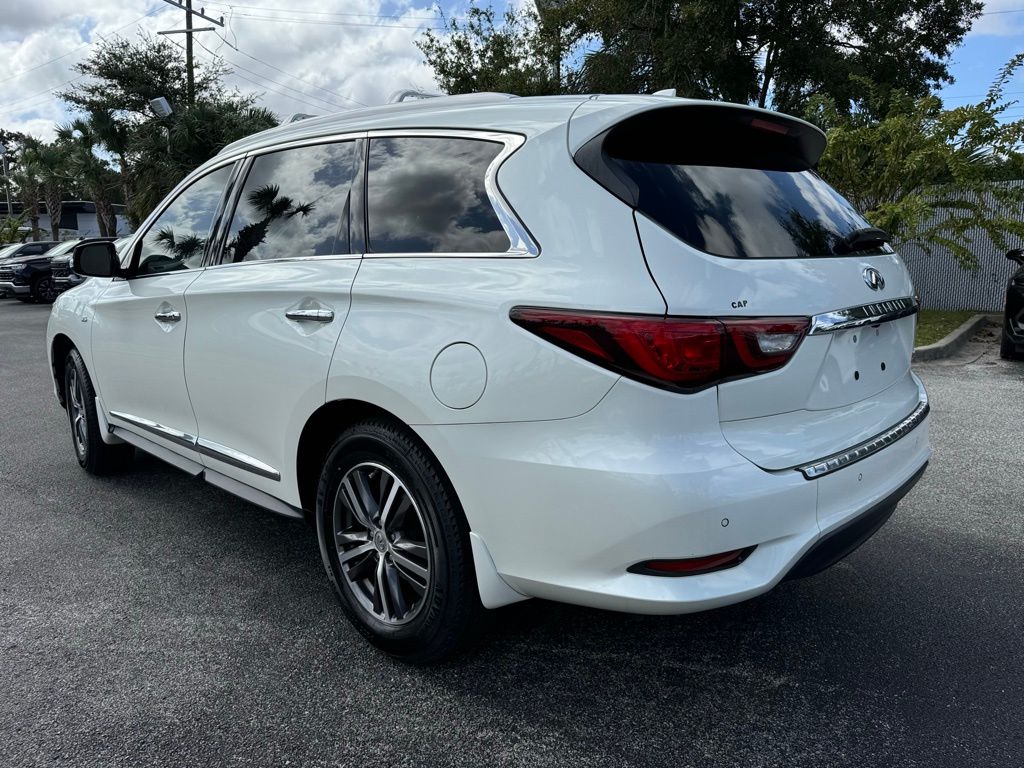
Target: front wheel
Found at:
x=95, y=456
x=396, y=545
x=44, y=291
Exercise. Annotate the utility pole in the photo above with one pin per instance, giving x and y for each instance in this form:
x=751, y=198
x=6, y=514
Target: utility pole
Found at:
x=188, y=31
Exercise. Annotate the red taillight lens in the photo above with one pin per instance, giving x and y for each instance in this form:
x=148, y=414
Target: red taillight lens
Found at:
x=671, y=352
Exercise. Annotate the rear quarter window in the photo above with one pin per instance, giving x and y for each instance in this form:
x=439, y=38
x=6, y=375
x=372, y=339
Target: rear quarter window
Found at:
x=428, y=195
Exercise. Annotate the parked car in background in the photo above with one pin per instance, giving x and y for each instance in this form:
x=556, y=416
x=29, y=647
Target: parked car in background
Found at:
x=25, y=271
x=64, y=276
x=31, y=248
x=1011, y=343
x=628, y=352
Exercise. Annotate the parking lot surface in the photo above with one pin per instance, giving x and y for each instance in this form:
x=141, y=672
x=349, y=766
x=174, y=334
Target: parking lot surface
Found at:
x=153, y=620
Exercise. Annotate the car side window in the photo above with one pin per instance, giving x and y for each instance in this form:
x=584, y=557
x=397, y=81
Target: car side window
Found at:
x=295, y=203
x=177, y=239
x=428, y=195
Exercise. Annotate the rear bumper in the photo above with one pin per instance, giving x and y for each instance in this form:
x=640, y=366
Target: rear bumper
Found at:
x=566, y=507
x=10, y=289
x=840, y=542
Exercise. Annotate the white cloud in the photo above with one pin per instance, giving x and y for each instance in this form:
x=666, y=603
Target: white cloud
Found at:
x=360, y=49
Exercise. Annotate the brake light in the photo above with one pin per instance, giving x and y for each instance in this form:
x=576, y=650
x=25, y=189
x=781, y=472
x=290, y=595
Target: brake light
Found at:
x=677, y=353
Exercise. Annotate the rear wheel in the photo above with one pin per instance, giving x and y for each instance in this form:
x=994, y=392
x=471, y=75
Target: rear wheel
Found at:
x=395, y=544
x=43, y=290
x=95, y=456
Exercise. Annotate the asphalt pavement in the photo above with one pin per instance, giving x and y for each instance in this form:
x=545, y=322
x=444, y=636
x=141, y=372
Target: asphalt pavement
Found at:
x=153, y=620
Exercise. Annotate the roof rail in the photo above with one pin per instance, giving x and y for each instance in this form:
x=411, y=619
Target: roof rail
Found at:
x=410, y=93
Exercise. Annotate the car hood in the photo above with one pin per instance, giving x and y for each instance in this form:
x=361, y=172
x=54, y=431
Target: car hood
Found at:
x=24, y=259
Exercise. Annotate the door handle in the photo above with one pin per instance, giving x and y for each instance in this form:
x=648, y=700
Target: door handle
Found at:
x=168, y=316
x=310, y=315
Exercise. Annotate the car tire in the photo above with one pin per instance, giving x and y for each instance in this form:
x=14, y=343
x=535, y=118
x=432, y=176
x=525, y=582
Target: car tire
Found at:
x=403, y=571
x=43, y=290
x=95, y=456
x=1007, y=349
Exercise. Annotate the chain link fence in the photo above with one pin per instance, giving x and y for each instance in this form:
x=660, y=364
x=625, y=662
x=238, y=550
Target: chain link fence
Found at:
x=943, y=284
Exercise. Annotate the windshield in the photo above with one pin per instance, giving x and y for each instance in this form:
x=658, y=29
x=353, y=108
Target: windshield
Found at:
x=9, y=250
x=63, y=249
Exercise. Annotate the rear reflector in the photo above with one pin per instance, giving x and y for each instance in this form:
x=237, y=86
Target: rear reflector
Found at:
x=692, y=566
x=684, y=354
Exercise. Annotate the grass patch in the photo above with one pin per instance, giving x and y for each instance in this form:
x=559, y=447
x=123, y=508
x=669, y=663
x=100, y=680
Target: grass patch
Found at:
x=934, y=324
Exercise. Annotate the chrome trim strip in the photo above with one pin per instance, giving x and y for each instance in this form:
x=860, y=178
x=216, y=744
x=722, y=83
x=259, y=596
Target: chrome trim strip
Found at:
x=236, y=458
x=161, y=430
x=316, y=315
x=198, y=444
x=860, y=451
x=866, y=314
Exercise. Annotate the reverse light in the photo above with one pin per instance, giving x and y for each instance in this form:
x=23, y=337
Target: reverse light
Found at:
x=679, y=353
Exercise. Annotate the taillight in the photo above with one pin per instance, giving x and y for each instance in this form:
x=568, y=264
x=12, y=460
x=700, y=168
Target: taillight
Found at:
x=678, y=353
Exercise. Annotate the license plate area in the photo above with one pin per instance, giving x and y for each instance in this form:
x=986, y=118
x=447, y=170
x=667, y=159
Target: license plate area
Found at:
x=860, y=362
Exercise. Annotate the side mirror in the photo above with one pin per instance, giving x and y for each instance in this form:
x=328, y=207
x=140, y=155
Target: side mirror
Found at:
x=1017, y=254
x=96, y=259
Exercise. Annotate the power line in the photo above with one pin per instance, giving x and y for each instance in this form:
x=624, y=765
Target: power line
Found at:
x=331, y=22
x=396, y=16
x=266, y=87
x=79, y=48
x=8, y=108
x=295, y=77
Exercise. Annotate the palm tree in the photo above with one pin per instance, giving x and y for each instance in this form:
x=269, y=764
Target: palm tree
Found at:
x=93, y=172
x=28, y=181
x=51, y=162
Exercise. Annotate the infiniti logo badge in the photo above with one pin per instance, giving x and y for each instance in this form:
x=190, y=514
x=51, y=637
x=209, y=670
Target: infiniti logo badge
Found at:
x=874, y=279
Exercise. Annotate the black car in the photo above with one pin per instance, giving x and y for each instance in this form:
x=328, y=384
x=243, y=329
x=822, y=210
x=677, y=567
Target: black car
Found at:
x=25, y=271
x=1011, y=345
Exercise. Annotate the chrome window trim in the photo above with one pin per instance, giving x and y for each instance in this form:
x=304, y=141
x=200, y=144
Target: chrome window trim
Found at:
x=866, y=314
x=837, y=461
x=287, y=259
x=200, y=445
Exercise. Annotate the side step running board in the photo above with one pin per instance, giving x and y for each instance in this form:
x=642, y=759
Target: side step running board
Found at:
x=195, y=469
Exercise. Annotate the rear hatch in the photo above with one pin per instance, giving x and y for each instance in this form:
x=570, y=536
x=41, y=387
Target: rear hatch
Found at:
x=735, y=223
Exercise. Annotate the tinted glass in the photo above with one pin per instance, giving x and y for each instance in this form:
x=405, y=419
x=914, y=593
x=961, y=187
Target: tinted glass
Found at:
x=427, y=195
x=744, y=212
x=177, y=240
x=295, y=203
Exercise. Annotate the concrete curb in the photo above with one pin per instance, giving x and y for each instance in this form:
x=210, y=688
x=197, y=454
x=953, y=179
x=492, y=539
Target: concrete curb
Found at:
x=952, y=343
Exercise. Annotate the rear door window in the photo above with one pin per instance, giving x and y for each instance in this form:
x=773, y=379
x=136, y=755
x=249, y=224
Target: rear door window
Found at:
x=295, y=204
x=428, y=195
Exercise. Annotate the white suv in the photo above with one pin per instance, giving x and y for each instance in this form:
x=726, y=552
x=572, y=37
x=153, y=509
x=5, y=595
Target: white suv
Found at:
x=621, y=351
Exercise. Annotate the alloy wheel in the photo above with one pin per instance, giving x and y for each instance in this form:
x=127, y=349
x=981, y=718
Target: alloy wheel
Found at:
x=382, y=543
x=46, y=290
x=76, y=411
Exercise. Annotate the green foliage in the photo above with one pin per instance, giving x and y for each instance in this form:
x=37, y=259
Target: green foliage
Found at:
x=769, y=52
x=925, y=174
x=515, y=56
x=10, y=229
x=153, y=154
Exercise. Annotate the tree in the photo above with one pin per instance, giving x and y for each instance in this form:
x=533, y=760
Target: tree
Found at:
x=27, y=177
x=51, y=161
x=776, y=53
x=94, y=173
x=925, y=174
x=152, y=154
x=519, y=55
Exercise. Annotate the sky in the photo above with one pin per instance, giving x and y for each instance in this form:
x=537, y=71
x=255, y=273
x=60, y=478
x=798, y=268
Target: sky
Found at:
x=343, y=53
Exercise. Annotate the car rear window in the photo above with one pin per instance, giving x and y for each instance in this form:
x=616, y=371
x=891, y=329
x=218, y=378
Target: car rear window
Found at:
x=730, y=182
